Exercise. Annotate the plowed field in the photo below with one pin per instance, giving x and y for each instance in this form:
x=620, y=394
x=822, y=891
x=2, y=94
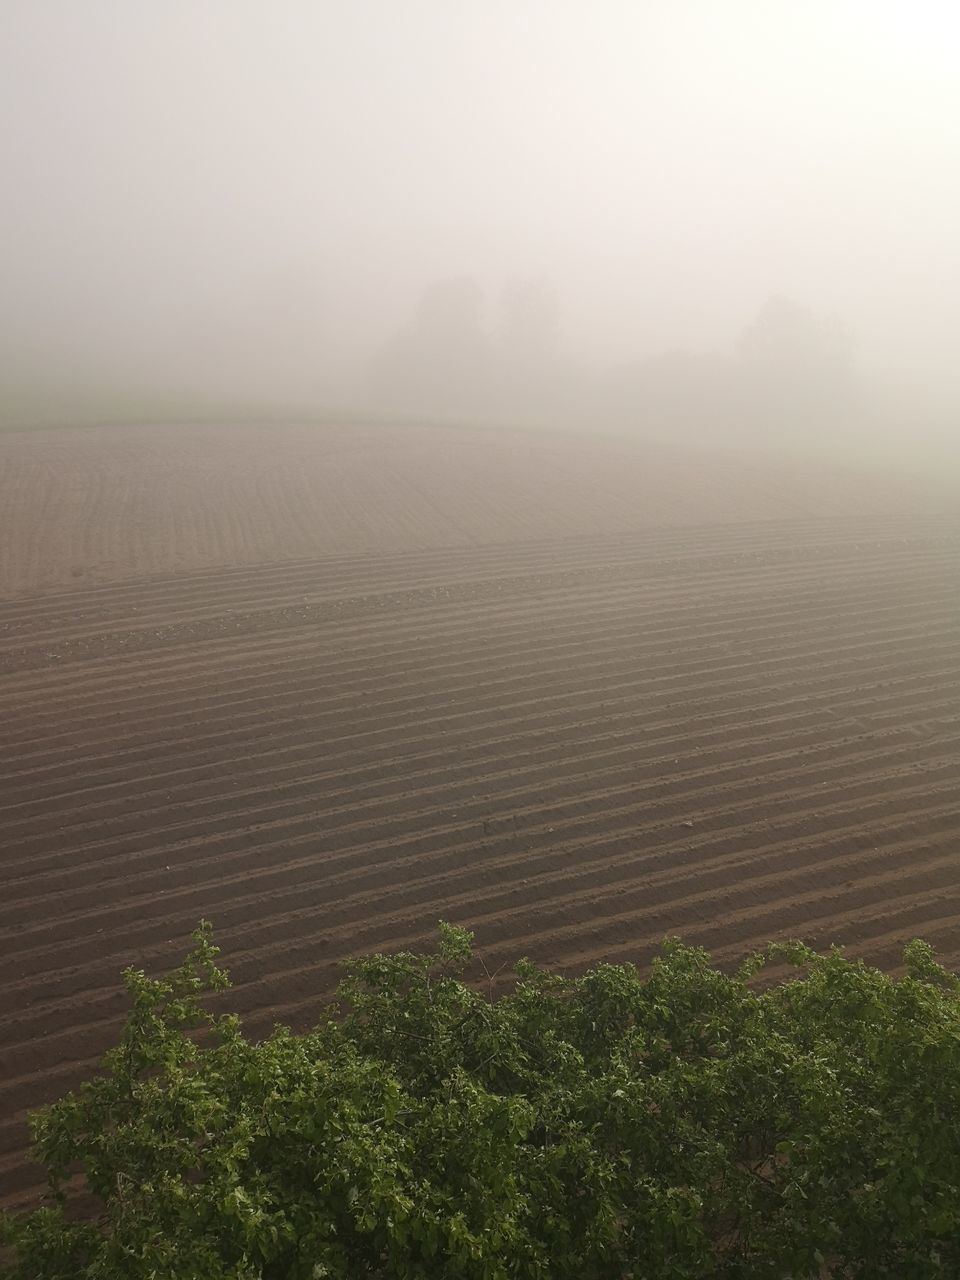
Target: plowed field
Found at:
x=574, y=725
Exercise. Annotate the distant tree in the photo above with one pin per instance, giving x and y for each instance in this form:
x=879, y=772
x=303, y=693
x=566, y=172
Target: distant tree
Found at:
x=440, y=363
x=795, y=360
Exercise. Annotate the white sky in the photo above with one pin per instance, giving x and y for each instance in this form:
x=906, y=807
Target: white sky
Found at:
x=183, y=177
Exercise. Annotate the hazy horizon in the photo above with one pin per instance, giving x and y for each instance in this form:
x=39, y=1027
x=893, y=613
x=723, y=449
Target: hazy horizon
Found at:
x=258, y=205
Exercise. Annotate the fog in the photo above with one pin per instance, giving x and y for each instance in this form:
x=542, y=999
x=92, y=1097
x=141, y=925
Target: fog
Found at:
x=679, y=217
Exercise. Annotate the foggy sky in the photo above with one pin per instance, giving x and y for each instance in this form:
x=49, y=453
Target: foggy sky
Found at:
x=216, y=192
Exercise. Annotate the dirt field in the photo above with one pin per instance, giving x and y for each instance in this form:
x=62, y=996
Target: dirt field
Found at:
x=104, y=504
x=573, y=697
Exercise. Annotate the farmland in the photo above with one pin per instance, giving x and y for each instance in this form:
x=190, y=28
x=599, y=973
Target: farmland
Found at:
x=326, y=686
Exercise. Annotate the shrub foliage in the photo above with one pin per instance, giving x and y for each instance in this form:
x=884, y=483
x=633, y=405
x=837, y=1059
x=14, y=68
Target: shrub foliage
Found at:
x=680, y=1123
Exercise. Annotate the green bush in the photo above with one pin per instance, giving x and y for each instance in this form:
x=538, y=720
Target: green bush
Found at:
x=676, y=1124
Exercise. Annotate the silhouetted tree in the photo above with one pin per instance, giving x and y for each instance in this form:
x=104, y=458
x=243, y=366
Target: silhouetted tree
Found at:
x=795, y=361
x=440, y=363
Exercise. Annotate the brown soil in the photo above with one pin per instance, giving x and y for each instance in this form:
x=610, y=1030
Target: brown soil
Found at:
x=112, y=503
x=574, y=697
